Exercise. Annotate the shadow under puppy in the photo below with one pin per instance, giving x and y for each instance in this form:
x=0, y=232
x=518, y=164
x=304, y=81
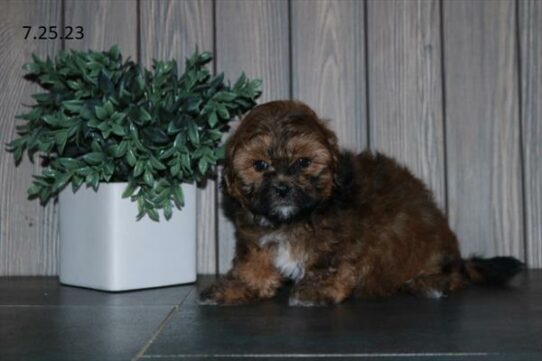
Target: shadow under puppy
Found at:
x=334, y=223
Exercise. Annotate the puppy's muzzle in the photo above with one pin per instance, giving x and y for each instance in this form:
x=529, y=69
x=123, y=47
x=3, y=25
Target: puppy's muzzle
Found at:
x=281, y=189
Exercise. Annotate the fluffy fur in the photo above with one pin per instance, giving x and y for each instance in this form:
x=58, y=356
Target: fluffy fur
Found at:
x=336, y=224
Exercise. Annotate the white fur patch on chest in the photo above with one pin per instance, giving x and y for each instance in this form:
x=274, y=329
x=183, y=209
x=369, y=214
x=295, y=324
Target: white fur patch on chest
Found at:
x=286, y=263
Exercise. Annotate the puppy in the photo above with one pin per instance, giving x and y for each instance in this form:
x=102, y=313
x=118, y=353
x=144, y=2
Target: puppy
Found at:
x=334, y=223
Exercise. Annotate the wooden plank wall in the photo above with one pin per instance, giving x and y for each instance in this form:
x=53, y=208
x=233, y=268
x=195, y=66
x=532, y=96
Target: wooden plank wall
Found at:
x=328, y=65
x=453, y=89
x=405, y=83
x=28, y=232
x=530, y=55
x=482, y=126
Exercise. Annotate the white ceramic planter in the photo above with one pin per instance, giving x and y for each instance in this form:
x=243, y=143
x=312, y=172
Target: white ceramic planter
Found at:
x=102, y=246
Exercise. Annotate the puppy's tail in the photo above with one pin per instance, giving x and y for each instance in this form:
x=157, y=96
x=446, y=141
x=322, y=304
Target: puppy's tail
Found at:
x=496, y=271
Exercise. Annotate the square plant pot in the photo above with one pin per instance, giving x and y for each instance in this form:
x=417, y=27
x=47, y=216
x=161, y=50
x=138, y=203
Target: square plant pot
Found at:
x=103, y=246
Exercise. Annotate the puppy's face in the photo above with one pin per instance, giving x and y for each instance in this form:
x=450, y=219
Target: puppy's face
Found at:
x=280, y=161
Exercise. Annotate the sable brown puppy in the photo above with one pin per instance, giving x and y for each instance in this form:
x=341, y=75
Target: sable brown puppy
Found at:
x=334, y=223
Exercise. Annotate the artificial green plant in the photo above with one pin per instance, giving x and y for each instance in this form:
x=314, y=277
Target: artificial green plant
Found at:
x=103, y=119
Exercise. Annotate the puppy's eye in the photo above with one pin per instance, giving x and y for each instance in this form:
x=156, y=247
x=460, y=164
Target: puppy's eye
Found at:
x=304, y=162
x=260, y=165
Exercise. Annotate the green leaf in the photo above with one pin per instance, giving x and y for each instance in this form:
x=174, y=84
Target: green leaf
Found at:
x=130, y=157
x=168, y=212
x=51, y=119
x=193, y=104
x=214, y=134
x=117, y=130
x=74, y=84
x=44, y=98
x=175, y=169
x=61, y=137
x=205, y=57
x=101, y=112
x=93, y=157
x=157, y=164
x=108, y=107
x=153, y=214
x=46, y=146
x=33, y=115
x=115, y=53
x=202, y=165
x=85, y=171
x=107, y=174
x=220, y=152
x=76, y=182
x=17, y=155
x=185, y=161
x=130, y=189
x=93, y=180
x=33, y=190
x=32, y=68
x=179, y=140
x=69, y=163
x=178, y=196
x=144, y=115
x=156, y=135
x=193, y=133
x=118, y=117
x=60, y=182
x=168, y=153
x=73, y=105
x=212, y=120
x=255, y=84
x=96, y=147
x=120, y=149
x=148, y=178
x=240, y=82
x=223, y=112
x=139, y=168
x=225, y=96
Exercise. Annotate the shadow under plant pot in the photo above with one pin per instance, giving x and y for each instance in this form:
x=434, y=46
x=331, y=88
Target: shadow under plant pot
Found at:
x=103, y=246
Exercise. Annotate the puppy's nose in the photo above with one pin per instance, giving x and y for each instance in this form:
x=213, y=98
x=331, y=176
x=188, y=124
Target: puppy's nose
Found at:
x=282, y=189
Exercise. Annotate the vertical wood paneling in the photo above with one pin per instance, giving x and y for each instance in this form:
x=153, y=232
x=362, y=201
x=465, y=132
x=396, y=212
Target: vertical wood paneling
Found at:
x=105, y=24
x=482, y=126
x=530, y=25
x=171, y=30
x=328, y=65
x=478, y=142
x=28, y=232
x=405, y=87
x=251, y=36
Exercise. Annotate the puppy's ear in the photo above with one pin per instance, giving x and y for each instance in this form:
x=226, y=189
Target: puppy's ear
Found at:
x=229, y=185
x=228, y=174
x=226, y=179
x=230, y=204
x=332, y=142
x=330, y=135
x=343, y=179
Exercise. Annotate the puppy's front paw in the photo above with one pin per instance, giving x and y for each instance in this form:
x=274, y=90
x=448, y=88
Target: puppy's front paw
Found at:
x=293, y=301
x=225, y=293
x=210, y=296
x=307, y=297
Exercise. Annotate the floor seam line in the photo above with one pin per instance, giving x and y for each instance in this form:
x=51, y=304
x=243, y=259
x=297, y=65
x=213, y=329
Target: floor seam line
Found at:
x=327, y=355
x=162, y=324
x=81, y=306
x=186, y=296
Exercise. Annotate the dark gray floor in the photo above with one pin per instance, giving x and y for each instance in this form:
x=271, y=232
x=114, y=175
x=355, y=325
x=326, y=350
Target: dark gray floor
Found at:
x=41, y=320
